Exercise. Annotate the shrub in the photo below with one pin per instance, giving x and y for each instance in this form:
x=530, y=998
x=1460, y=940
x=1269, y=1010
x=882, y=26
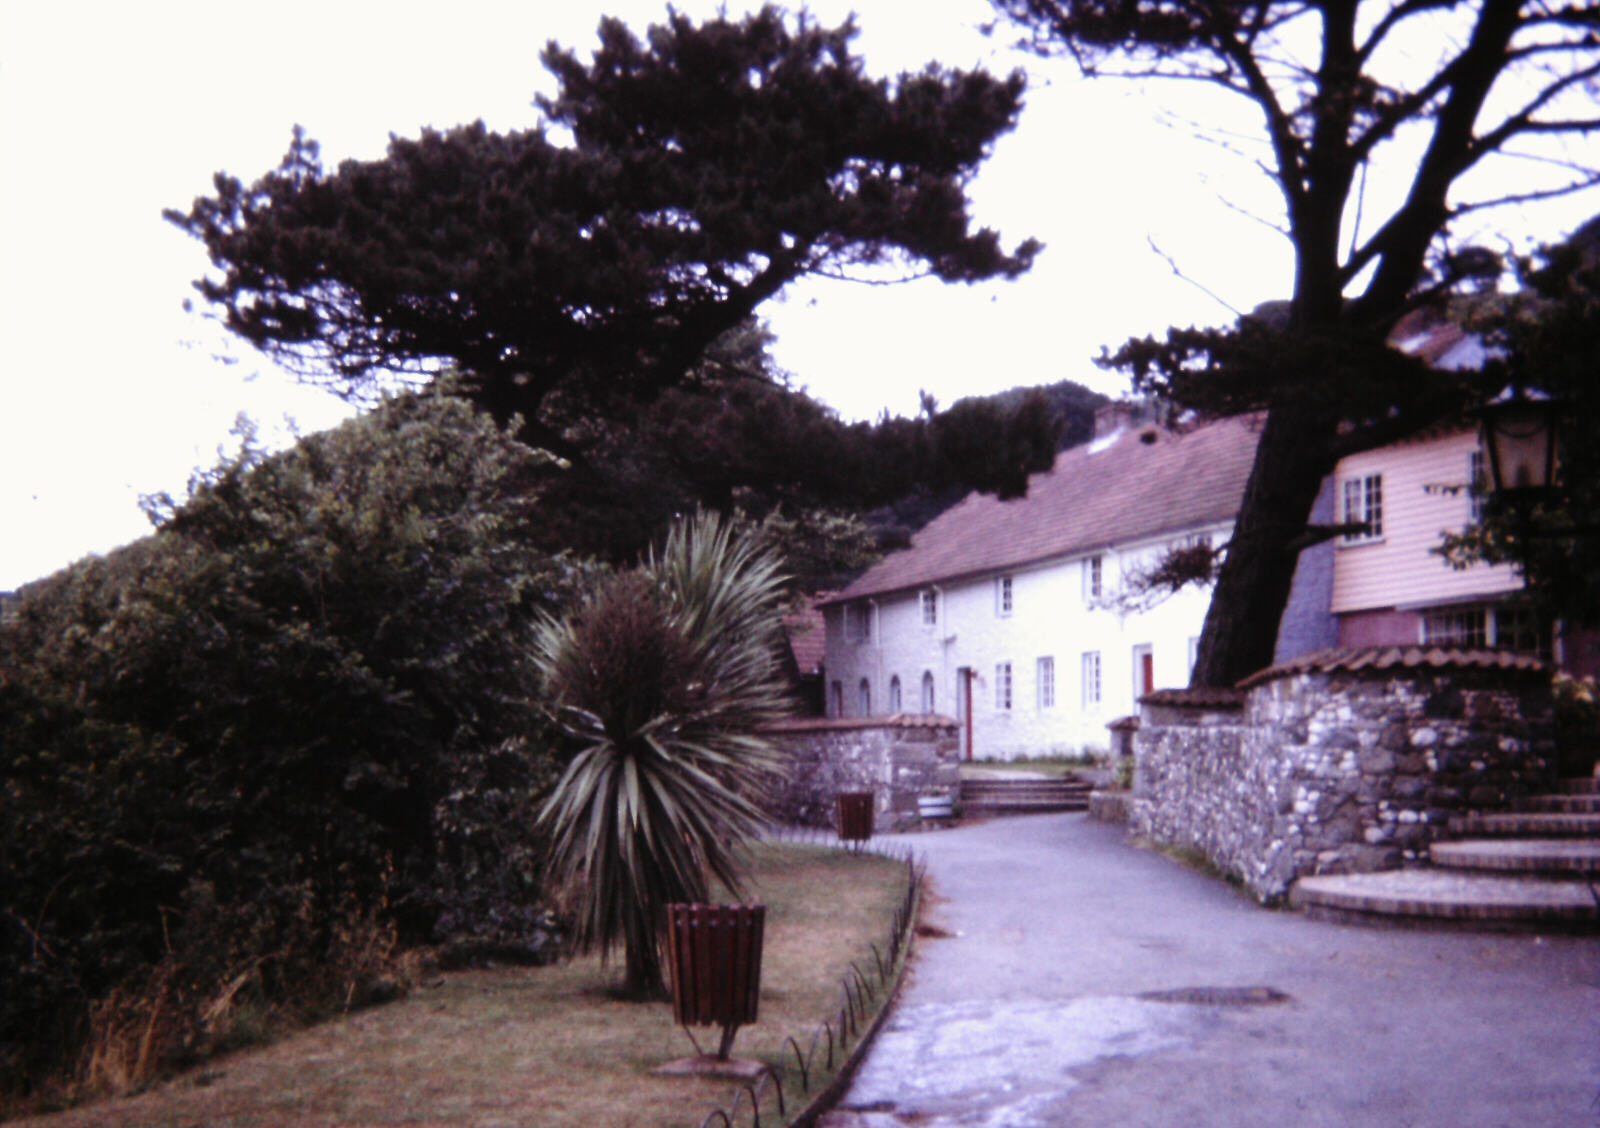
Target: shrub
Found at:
x=301, y=703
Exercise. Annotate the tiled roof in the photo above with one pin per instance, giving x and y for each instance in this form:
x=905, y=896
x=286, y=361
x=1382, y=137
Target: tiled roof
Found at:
x=807, y=635
x=1361, y=659
x=1146, y=482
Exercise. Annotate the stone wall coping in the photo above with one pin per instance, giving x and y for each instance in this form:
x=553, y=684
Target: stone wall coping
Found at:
x=1196, y=698
x=850, y=724
x=1385, y=659
x=1124, y=724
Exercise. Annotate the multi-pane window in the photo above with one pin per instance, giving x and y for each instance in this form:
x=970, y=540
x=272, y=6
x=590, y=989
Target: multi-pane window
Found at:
x=927, y=691
x=1047, y=683
x=930, y=607
x=1505, y=628
x=858, y=622
x=1002, y=596
x=1002, y=685
x=864, y=698
x=1091, y=678
x=1093, y=578
x=894, y=694
x=1363, y=505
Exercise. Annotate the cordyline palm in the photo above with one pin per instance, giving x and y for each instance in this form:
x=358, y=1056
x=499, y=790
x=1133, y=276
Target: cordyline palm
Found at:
x=670, y=673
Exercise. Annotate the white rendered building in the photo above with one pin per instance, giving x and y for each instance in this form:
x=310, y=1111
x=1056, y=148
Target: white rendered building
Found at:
x=1016, y=618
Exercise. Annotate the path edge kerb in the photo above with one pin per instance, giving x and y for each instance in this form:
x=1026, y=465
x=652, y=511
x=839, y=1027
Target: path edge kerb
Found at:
x=828, y=1096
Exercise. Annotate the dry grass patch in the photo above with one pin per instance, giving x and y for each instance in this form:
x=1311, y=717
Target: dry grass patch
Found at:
x=548, y=1046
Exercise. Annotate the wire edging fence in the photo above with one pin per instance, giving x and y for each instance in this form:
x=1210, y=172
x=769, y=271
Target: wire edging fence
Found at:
x=838, y=1043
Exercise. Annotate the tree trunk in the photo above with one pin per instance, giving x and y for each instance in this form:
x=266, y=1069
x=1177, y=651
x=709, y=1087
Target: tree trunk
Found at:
x=1241, y=628
x=642, y=978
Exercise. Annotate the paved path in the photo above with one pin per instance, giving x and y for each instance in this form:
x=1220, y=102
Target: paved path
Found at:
x=1088, y=982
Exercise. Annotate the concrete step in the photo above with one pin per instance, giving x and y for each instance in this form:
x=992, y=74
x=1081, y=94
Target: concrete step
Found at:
x=1577, y=804
x=1450, y=897
x=1520, y=855
x=1023, y=796
x=1535, y=824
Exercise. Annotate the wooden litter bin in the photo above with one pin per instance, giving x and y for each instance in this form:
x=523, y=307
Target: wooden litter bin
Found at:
x=855, y=815
x=715, y=955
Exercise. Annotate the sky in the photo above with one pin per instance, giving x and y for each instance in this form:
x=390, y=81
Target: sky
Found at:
x=110, y=112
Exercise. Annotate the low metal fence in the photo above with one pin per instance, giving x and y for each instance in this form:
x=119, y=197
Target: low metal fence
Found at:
x=807, y=1082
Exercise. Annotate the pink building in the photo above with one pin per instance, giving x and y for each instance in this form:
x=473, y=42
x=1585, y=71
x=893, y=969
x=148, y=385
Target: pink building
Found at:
x=1390, y=587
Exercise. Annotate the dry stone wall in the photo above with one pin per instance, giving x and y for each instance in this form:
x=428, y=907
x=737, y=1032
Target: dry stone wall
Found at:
x=897, y=758
x=1337, y=770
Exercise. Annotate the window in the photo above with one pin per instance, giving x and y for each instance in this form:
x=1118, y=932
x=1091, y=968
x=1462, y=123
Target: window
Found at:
x=858, y=622
x=1002, y=686
x=864, y=698
x=836, y=700
x=1363, y=505
x=894, y=694
x=1091, y=679
x=1047, y=683
x=927, y=691
x=1002, y=596
x=930, y=607
x=1477, y=485
x=1093, y=578
x=1504, y=628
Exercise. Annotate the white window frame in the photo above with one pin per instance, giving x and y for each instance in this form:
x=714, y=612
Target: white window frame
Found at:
x=1002, y=686
x=1361, y=502
x=1477, y=486
x=1093, y=684
x=928, y=602
x=1094, y=577
x=1046, y=681
x=864, y=697
x=858, y=623
x=928, y=692
x=894, y=695
x=1004, y=596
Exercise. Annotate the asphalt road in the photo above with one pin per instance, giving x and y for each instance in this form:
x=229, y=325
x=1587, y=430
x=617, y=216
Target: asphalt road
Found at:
x=1084, y=981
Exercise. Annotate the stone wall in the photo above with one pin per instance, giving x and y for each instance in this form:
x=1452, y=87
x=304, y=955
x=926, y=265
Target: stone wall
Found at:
x=1334, y=763
x=897, y=758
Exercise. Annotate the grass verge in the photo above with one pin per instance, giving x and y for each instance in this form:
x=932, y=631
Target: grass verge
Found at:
x=546, y=1046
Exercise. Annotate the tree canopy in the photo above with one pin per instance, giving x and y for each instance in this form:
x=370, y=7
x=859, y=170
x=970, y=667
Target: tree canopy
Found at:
x=575, y=270
x=1463, y=106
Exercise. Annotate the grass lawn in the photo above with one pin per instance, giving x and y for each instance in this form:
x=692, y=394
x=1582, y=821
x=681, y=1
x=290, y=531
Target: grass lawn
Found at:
x=545, y=1047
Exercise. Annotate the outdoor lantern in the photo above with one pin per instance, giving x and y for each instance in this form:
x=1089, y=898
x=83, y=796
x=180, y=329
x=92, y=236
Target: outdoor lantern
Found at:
x=1518, y=431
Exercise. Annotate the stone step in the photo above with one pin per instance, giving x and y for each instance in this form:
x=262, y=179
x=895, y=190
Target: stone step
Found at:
x=1445, y=897
x=1575, y=804
x=1536, y=824
x=1520, y=855
x=1023, y=796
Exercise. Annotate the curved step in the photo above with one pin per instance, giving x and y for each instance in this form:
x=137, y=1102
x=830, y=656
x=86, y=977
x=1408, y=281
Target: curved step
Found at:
x=1570, y=804
x=1520, y=855
x=1435, y=896
x=1536, y=824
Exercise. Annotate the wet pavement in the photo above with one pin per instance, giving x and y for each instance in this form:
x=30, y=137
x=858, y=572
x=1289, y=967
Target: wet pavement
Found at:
x=1074, y=979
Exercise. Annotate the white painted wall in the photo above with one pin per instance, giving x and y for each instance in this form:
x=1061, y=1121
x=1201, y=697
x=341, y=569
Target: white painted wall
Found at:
x=1050, y=617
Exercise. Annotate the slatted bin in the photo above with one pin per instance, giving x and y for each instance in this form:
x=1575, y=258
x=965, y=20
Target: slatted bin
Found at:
x=855, y=816
x=715, y=953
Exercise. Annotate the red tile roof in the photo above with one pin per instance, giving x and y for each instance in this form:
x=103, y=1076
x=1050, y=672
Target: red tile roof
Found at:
x=1377, y=659
x=1146, y=482
x=807, y=635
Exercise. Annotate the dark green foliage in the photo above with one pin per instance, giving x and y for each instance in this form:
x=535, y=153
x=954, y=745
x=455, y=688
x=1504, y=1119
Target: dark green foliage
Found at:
x=668, y=674
x=708, y=167
x=274, y=704
x=1510, y=79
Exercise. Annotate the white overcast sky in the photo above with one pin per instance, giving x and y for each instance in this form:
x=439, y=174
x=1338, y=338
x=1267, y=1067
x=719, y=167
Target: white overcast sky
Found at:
x=110, y=111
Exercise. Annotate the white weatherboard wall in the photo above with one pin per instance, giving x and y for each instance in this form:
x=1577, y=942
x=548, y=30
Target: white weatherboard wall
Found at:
x=1051, y=616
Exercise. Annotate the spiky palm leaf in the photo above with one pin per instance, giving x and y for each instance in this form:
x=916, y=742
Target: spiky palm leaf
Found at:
x=670, y=674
